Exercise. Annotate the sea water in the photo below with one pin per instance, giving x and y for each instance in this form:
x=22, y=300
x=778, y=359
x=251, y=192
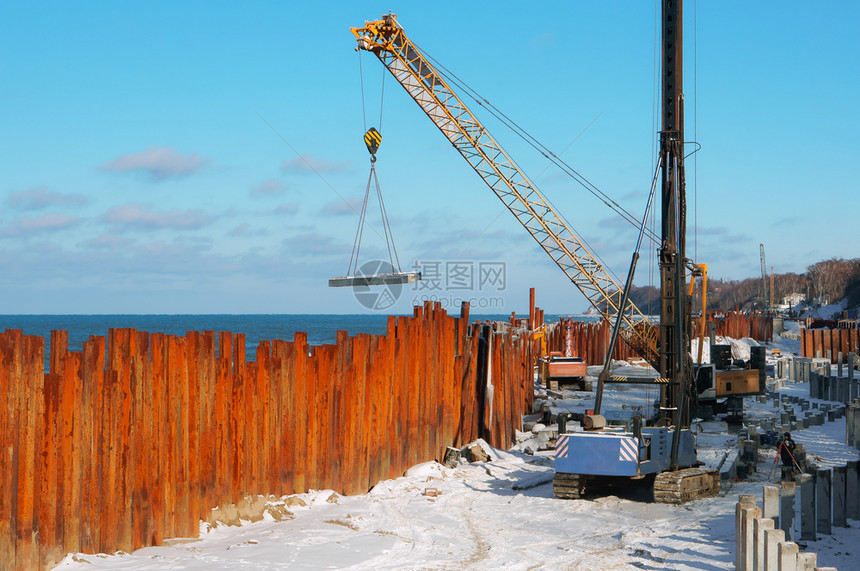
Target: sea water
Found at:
x=321, y=329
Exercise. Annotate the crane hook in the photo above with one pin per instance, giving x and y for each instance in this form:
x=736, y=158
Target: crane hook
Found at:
x=372, y=139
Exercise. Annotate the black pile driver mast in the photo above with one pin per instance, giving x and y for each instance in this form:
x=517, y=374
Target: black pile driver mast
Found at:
x=675, y=362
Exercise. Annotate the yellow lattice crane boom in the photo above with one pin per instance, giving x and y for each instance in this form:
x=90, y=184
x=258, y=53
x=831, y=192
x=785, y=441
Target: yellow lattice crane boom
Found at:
x=386, y=39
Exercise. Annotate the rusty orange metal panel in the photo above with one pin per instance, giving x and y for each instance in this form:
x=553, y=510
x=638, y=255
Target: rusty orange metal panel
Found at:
x=396, y=463
x=383, y=432
x=311, y=382
x=70, y=443
x=194, y=367
x=8, y=459
x=158, y=435
x=141, y=513
x=354, y=426
x=368, y=395
x=180, y=374
x=328, y=418
x=59, y=348
x=251, y=451
x=372, y=410
x=209, y=427
x=267, y=438
x=127, y=348
x=171, y=433
x=316, y=407
x=49, y=510
x=300, y=456
x=30, y=384
x=416, y=362
x=109, y=450
x=93, y=379
x=338, y=425
x=288, y=422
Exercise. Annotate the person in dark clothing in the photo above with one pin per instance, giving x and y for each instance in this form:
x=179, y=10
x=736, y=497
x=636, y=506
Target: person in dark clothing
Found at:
x=786, y=451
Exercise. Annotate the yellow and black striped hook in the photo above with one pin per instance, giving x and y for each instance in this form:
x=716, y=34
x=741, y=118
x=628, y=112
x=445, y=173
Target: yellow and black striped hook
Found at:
x=372, y=139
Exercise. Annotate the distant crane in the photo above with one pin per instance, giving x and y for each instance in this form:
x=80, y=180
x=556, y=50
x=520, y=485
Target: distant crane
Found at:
x=764, y=295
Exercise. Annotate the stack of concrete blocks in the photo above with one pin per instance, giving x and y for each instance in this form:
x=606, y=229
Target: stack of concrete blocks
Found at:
x=852, y=424
x=828, y=498
x=761, y=543
x=837, y=388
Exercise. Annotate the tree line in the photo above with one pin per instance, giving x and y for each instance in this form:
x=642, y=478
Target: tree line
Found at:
x=830, y=280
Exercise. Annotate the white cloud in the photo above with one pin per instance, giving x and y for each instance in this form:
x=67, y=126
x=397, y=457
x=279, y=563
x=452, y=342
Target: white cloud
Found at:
x=245, y=229
x=38, y=225
x=39, y=198
x=108, y=242
x=158, y=163
x=271, y=187
x=287, y=208
x=343, y=207
x=135, y=215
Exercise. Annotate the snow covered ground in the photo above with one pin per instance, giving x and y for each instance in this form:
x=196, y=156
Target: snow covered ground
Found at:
x=502, y=513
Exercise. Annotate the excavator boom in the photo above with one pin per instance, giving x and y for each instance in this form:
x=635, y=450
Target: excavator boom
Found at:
x=385, y=39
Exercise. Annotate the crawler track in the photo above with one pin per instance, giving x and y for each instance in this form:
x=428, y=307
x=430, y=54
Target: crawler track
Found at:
x=684, y=485
x=569, y=486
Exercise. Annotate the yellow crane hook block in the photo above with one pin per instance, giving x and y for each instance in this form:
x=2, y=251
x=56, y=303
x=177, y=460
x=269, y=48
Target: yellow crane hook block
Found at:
x=372, y=139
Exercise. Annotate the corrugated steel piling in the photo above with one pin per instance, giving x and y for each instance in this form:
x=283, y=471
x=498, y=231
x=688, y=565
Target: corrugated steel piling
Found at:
x=138, y=437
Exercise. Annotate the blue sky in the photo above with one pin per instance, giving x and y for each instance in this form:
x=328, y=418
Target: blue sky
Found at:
x=155, y=156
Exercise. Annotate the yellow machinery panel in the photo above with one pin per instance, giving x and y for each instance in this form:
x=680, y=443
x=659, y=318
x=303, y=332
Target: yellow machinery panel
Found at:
x=740, y=382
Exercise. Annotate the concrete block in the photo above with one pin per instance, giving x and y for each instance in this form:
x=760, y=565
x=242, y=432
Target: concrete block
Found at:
x=856, y=424
x=823, y=494
x=852, y=490
x=839, y=481
x=806, y=561
x=760, y=525
x=786, y=506
x=788, y=551
x=748, y=515
x=772, y=540
x=750, y=454
x=745, y=501
x=770, y=503
x=807, y=507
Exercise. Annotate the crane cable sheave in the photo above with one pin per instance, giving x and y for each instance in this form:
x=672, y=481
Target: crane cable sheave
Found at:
x=385, y=39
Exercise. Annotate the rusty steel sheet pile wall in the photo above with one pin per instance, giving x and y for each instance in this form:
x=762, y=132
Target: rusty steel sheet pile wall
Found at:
x=739, y=325
x=590, y=341
x=138, y=437
x=817, y=342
